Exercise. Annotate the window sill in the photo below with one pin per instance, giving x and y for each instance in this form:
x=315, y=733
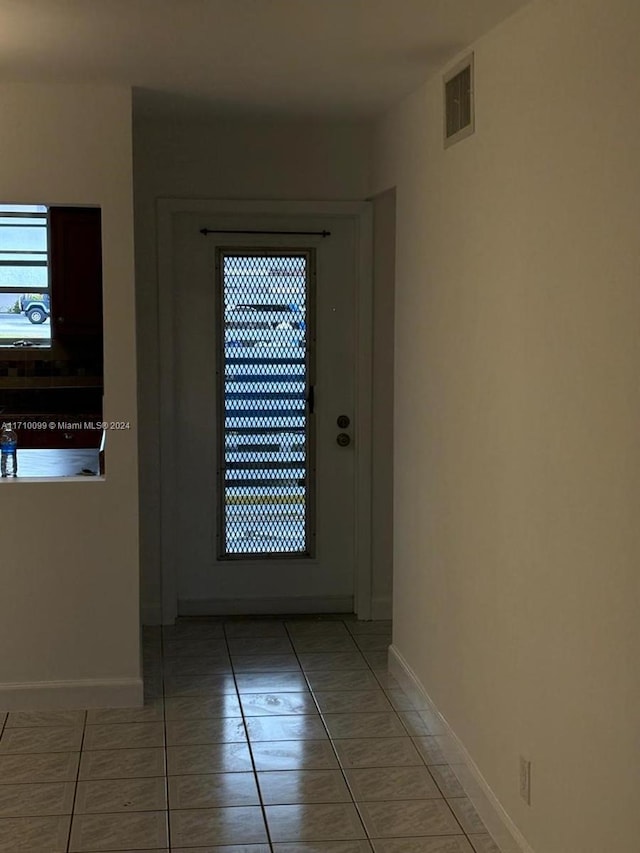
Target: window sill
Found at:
x=98, y=478
x=20, y=383
x=47, y=465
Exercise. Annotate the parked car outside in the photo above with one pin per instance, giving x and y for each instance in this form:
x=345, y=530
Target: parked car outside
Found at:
x=36, y=306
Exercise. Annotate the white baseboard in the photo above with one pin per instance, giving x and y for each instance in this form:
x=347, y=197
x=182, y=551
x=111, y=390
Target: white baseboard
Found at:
x=504, y=831
x=262, y=606
x=151, y=614
x=71, y=695
x=381, y=607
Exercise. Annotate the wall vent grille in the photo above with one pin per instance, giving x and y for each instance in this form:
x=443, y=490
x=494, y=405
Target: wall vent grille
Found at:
x=459, y=119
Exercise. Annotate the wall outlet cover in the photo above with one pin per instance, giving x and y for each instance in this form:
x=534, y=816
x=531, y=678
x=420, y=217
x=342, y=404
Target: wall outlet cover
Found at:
x=525, y=780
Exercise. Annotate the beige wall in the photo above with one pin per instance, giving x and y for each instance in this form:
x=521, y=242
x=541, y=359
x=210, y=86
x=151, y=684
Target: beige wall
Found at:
x=384, y=258
x=269, y=159
x=517, y=493
x=70, y=605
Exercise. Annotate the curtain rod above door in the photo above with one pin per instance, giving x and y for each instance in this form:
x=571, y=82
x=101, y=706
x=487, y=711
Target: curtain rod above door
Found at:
x=205, y=231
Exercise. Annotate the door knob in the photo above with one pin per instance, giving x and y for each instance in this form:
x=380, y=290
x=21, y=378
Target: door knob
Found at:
x=343, y=439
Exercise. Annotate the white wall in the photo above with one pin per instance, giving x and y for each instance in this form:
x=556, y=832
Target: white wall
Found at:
x=70, y=608
x=269, y=159
x=384, y=246
x=517, y=493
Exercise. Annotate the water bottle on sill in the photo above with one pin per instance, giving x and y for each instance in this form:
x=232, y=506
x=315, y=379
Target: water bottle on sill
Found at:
x=8, y=452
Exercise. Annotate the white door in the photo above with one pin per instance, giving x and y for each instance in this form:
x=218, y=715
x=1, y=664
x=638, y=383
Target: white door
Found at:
x=265, y=477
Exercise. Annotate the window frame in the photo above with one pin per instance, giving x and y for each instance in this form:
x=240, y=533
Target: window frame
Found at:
x=26, y=212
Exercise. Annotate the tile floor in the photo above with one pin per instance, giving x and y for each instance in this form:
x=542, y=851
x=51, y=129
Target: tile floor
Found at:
x=258, y=736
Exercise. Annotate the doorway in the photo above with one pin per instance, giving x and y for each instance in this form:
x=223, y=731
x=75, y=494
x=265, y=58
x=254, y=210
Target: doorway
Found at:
x=266, y=417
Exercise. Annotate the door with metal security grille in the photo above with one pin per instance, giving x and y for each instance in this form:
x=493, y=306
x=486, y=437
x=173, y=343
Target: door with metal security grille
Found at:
x=265, y=403
x=265, y=445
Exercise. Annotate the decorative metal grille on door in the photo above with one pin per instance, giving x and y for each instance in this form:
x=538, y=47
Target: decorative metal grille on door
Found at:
x=265, y=396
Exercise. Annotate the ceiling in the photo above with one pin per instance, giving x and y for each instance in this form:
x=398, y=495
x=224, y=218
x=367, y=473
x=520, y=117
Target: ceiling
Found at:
x=194, y=58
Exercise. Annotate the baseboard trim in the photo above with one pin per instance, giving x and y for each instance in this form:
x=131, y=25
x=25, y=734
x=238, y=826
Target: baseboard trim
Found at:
x=381, y=607
x=151, y=614
x=87, y=693
x=262, y=606
x=506, y=834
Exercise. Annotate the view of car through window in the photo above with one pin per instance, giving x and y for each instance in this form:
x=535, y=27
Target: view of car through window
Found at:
x=24, y=275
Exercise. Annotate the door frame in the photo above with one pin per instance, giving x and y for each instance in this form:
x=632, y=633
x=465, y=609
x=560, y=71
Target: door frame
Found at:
x=362, y=216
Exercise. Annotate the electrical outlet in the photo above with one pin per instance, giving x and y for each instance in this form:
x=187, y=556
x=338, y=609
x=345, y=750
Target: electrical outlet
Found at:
x=525, y=780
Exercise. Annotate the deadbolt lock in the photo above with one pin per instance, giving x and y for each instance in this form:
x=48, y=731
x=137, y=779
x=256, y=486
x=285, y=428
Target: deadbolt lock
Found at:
x=343, y=421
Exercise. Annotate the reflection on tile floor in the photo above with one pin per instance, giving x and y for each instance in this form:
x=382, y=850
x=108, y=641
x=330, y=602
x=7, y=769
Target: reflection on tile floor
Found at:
x=257, y=736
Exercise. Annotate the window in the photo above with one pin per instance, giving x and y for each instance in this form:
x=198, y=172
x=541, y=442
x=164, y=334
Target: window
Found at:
x=266, y=473
x=51, y=368
x=24, y=275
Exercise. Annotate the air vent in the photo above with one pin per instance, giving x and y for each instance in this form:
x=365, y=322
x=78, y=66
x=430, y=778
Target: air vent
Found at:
x=458, y=102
